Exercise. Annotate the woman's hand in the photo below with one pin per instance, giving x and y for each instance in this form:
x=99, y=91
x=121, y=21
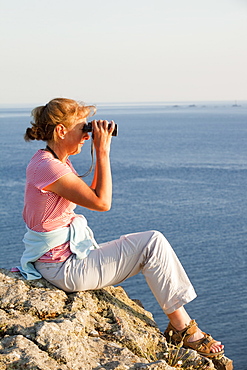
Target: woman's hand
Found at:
x=102, y=181
x=98, y=197
x=102, y=135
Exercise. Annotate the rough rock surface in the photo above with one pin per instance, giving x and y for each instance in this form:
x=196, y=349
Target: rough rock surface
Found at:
x=43, y=328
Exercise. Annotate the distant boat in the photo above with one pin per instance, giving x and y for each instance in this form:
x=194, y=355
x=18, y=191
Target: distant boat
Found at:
x=236, y=105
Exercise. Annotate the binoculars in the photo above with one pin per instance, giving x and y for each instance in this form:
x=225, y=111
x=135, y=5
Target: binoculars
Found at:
x=89, y=128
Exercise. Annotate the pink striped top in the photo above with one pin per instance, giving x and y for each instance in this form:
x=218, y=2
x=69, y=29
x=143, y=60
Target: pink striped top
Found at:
x=44, y=210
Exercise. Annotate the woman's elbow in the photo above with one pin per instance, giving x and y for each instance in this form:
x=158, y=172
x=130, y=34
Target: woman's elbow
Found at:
x=105, y=207
x=102, y=205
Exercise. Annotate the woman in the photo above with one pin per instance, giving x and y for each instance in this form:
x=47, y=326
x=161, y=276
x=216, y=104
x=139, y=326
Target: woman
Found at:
x=60, y=246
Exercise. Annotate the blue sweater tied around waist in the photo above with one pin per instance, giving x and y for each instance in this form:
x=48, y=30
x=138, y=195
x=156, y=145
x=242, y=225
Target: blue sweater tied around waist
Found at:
x=38, y=243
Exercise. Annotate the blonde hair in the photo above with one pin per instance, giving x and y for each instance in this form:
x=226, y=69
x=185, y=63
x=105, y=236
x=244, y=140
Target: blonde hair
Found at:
x=59, y=110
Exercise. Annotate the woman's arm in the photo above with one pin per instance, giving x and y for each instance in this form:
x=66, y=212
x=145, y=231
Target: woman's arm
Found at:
x=98, y=197
x=95, y=178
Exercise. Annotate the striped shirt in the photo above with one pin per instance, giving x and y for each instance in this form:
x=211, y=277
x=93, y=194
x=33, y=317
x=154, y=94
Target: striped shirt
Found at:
x=45, y=210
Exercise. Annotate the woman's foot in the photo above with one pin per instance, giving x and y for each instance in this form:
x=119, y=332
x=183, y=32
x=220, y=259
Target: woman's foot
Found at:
x=214, y=348
x=182, y=328
x=192, y=337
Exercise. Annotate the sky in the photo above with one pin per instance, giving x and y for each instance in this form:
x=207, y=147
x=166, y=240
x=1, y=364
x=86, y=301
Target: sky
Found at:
x=109, y=51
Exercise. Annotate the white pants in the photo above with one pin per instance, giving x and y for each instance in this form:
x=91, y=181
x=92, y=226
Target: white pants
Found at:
x=147, y=252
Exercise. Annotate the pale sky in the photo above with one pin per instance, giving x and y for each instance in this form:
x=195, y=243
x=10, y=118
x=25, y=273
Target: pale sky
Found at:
x=123, y=50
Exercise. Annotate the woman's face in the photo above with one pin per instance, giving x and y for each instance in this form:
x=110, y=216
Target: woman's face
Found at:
x=75, y=137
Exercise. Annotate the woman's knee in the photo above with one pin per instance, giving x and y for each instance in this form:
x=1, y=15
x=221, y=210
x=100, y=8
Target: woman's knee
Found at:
x=154, y=234
x=159, y=236
x=159, y=242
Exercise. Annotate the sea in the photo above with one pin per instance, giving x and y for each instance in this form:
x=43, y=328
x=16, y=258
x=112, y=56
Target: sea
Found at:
x=178, y=167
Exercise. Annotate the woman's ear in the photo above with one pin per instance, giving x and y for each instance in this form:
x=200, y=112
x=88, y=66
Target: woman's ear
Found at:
x=60, y=131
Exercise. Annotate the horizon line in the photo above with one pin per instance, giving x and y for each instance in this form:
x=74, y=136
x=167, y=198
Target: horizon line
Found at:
x=233, y=102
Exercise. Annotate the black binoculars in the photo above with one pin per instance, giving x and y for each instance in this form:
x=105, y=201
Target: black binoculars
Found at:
x=89, y=128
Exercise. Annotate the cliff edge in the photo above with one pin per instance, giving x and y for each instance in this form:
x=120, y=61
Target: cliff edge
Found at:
x=43, y=328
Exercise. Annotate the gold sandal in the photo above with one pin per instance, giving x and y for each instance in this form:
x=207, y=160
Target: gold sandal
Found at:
x=202, y=346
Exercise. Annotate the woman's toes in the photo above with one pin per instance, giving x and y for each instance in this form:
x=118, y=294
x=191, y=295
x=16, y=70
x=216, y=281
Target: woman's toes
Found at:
x=216, y=347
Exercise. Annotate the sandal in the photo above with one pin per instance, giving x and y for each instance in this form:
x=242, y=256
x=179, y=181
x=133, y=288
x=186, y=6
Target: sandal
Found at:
x=202, y=346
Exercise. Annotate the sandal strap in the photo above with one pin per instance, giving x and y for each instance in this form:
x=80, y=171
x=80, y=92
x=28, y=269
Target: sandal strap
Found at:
x=179, y=336
x=202, y=346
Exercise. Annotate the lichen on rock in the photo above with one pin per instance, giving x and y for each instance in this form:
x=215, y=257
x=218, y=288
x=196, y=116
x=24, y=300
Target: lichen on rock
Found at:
x=42, y=327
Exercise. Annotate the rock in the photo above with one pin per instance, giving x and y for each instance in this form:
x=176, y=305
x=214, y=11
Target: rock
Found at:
x=223, y=364
x=42, y=327
x=18, y=352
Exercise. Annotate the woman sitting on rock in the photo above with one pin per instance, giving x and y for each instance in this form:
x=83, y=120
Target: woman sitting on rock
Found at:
x=60, y=246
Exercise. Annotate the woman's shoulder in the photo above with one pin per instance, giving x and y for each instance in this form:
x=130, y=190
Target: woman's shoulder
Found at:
x=43, y=158
x=44, y=164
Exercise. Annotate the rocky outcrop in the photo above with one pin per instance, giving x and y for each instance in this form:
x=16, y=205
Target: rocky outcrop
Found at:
x=42, y=327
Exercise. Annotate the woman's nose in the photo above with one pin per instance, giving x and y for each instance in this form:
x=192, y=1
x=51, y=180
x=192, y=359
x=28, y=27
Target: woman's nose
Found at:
x=87, y=136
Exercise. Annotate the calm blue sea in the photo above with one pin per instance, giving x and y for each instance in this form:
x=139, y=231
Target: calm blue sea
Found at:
x=179, y=168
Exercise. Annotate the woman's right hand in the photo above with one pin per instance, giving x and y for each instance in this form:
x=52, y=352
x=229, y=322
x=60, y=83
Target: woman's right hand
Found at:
x=98, y=196
x=102, y=135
